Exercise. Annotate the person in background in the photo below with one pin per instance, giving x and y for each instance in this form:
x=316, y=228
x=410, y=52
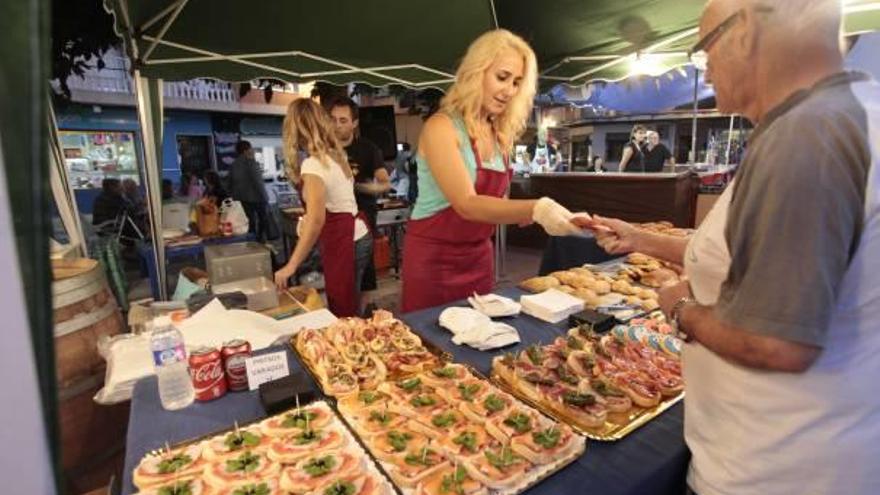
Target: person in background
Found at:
x=400, y=178
x=190, y=186
x=110, y=203
x=326, y=184
x=463, y=159
x=167, y=190
x=782, y=307
x=246, y=184
x=657, y=155
x=371, y=177
x=597, y=165
x=633, y=159
x=214, y=187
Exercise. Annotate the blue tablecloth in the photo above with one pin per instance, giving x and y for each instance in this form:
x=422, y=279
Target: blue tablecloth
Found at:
x=651, y=460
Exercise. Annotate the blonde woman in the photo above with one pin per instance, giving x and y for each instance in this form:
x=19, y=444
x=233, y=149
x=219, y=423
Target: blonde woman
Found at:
x=324, y=180
x=464, y=173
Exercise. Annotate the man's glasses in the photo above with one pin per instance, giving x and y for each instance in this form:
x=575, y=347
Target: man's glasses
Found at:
x=699, y=54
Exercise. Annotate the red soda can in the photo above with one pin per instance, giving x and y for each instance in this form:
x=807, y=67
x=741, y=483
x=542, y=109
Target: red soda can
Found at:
x=234, y=353
x=208, y=375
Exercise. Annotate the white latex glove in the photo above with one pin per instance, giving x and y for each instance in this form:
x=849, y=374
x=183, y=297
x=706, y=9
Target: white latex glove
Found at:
x=555, y=218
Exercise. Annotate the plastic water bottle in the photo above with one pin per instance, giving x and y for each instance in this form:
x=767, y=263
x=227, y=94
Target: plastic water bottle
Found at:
x=172, y=369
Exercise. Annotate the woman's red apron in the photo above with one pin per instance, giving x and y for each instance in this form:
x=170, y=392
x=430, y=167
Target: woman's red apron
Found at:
x=447, y=258
x=336, y=245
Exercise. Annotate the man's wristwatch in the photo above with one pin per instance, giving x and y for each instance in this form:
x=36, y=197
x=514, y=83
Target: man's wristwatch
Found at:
x=675, y=313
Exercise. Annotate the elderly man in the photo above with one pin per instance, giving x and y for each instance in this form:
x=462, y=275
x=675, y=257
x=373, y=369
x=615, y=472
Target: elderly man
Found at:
x=657, y=155
x=782, y=309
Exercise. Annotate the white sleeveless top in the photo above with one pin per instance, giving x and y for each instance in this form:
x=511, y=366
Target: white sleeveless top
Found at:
x=754, y=432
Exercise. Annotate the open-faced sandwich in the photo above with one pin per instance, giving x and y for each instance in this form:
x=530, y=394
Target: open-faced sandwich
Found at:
x=492, y=405
x=296, y=420
x=409, y=468
x=358, y=484
x=377, y=419
x=517, y=422
x=439, y=424
x=168, y=466
x=499, y=468
x=467, y=440
x=466, y=390
x=395, y=441
x=291, y=448
x=232, y=443
x=546, y=445
x=318, y=469
x=267, y=486
x=451, y=480
x=243, y=469
x=445, y=376
x=180, y=486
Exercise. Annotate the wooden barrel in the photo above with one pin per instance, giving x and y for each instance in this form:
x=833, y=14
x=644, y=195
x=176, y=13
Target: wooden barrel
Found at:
x=85, y=310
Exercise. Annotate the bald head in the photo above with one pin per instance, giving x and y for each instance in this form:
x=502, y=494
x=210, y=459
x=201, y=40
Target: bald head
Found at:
x=769, y=49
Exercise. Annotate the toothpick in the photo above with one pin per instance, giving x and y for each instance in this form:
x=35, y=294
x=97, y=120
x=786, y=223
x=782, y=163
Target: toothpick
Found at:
x=167, y=448
x=237, y=432
x=297, y=405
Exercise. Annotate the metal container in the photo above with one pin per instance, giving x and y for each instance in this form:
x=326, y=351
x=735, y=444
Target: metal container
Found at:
x=239, y=261
x=260, y=291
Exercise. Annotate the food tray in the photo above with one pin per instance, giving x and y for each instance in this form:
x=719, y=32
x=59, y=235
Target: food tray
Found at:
x=541, y=474
x=309, y=366
x=618, y=425
x=354, y=441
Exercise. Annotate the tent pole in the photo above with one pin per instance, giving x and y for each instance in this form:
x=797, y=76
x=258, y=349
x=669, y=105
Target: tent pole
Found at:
x=729, y=141
x=694, y=123
x=152, y=173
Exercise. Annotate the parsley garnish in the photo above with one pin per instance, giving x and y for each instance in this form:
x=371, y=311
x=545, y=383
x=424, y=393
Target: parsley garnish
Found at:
x=253, y=489
x=547, y=438
x=606, y=388
x=398, y=440
x=411, y=384
x=422, y=458
x=298, y=419
x=319, y=466
x=445, y=372
x=382, y=418
x=245, y=462
x=422, y=401
x=443, y=420
x=179, y=488
x=340, y=488
x=575, y=343
x=306, y=437
x=454, y=482
x=520, y=422
x=368, y=397
x=174, y=464
x=565, y=376
x=503, y=460
x=468, y=391
x=467, y=439
x=243, y=439
x=493, y=403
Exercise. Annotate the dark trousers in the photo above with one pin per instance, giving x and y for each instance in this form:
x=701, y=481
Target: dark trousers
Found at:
x=258, y=219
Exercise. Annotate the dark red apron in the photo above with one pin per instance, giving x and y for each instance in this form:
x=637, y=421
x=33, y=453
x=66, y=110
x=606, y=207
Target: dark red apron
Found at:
x=336, y=245
x=445, y=257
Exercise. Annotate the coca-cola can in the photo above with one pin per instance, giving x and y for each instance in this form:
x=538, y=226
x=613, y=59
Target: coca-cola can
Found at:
x=207, y=372
x=234, y=353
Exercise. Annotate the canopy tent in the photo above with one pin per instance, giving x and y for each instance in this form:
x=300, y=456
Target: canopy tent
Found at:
x=413, y=43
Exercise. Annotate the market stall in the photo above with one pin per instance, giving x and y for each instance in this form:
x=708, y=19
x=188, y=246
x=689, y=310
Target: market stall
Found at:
x=651, y=460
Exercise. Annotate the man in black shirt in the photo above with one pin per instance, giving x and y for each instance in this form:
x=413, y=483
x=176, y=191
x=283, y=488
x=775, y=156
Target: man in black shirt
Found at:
x=365, y=158
x=656, y=153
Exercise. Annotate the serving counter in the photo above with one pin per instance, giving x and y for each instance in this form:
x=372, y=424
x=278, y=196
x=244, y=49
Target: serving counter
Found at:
x=634, y=197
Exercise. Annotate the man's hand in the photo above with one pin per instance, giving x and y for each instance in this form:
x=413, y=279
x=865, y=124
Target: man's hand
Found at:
x=615, y=236
x=670, y=295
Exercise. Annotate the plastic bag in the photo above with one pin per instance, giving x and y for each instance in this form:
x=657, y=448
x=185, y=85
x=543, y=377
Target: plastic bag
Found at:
x=232, y=213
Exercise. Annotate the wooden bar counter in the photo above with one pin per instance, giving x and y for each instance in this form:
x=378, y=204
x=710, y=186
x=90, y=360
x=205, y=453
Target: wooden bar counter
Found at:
x=634, y=197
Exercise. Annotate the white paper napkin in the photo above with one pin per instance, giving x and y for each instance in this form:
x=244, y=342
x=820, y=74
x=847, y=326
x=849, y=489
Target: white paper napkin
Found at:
x=477, y=330
x=494, y=306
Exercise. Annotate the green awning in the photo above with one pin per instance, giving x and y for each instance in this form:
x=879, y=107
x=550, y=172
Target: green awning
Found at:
x=414, y=43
